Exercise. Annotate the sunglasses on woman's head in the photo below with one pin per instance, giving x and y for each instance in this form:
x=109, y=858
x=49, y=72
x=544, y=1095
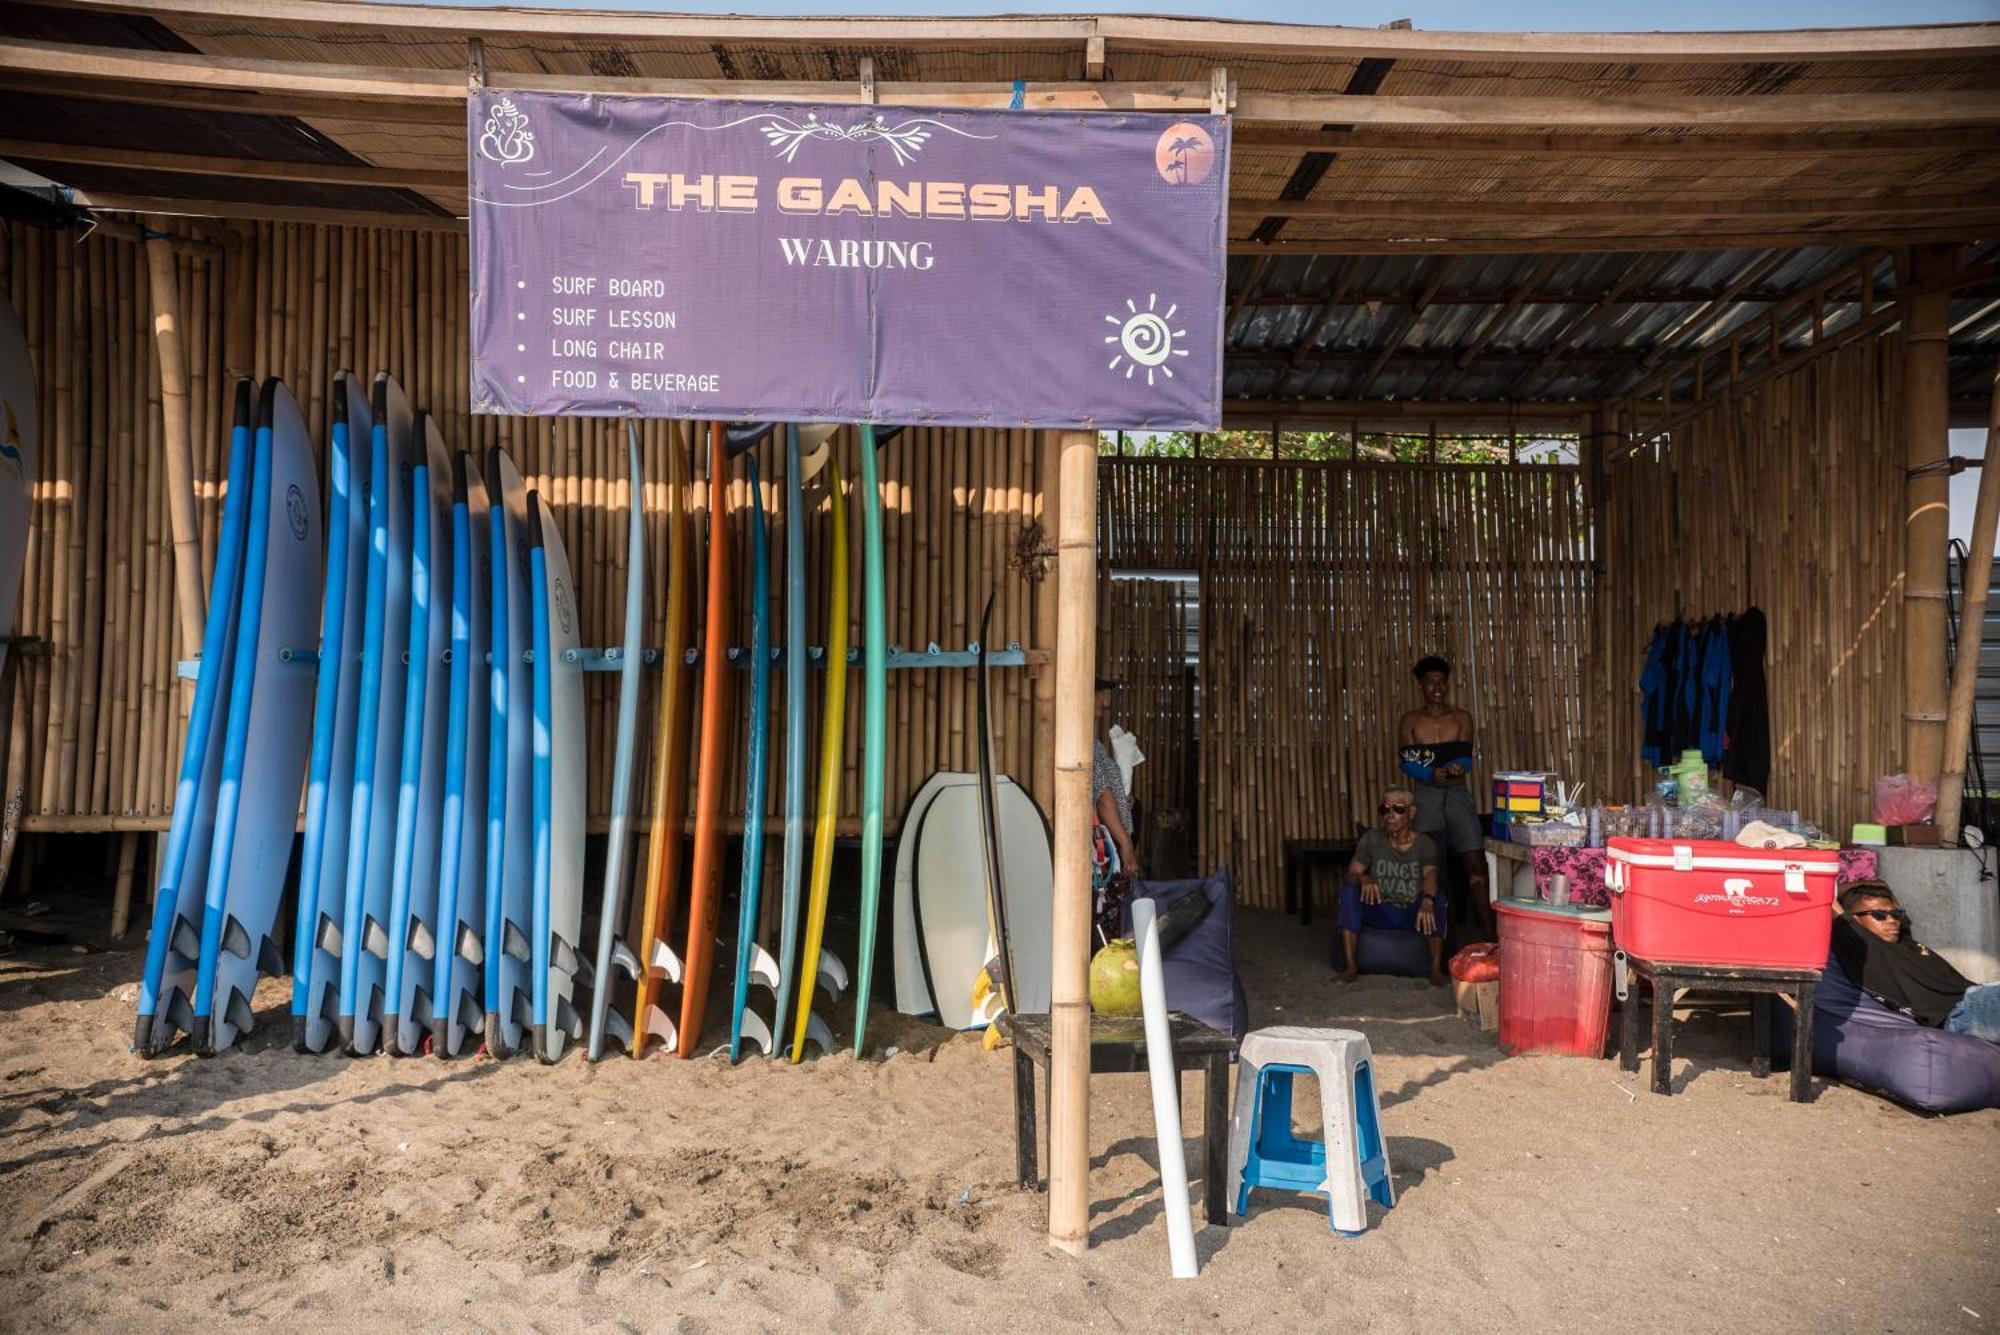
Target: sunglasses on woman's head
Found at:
x=1882, y=915
x=1393, y=809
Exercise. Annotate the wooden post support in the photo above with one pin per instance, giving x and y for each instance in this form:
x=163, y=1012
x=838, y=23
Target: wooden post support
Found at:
x=1069, y=990
x=1976, y=579
x=1927, y=530
x=121, y=901
x=189, y=598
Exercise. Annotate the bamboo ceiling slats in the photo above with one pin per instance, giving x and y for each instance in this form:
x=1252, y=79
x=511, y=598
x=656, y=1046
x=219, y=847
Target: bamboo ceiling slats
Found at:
x=102, y=721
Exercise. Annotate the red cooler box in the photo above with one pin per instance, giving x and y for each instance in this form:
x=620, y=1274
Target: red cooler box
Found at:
x=1698, y=901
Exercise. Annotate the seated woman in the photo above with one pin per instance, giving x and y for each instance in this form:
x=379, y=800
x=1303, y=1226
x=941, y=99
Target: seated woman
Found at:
x=1392, y=884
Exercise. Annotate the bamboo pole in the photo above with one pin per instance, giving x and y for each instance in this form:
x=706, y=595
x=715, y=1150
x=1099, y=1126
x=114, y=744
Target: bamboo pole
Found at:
x=1069, y=1010
x=1976, y=579
x=1925, y=447
x=189, y=597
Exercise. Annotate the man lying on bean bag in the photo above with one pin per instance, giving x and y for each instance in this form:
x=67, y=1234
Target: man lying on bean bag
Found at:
x=1874, y=947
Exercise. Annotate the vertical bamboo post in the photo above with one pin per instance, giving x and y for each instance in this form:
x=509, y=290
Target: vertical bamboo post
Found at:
x=121, y=902
x=1069, y=992
x=1927, y=507
x=165, y=288
x=1976, y=579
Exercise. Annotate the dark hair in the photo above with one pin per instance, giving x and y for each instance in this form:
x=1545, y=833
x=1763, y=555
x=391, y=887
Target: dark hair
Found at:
x=1428, y=664
x=1859, y=890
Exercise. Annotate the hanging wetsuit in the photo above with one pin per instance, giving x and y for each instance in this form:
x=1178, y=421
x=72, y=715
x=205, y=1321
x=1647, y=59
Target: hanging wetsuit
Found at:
x=1715, y=681
x=1747, y=754
x=1655, y=693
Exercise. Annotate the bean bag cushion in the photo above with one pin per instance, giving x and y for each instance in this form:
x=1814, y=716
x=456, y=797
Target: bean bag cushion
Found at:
x=1398, y=954
x=1201, y=967
x=1858, y=1040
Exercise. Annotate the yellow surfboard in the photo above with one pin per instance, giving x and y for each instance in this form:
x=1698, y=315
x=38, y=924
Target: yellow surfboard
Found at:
x=833, y=729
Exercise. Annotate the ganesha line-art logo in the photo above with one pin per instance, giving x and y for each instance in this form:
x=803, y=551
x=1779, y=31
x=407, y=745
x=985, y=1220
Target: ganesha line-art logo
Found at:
x=507, y=139
x=1145, y=339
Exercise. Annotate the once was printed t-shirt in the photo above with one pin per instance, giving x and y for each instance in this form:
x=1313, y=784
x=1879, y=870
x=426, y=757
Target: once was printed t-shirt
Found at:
x=1400, y=872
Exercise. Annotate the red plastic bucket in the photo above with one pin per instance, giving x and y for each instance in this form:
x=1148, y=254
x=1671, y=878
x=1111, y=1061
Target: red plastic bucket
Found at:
x=1555, y=980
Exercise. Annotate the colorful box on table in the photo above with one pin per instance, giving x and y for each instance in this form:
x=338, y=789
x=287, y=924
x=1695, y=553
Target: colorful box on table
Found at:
x=1518, y=793
x=1693, y=901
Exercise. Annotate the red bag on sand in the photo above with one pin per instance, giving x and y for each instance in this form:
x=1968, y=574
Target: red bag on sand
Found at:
x=1477, y=964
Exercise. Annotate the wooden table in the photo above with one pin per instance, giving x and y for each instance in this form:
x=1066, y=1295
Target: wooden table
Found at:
x=1763, y=986
x=1118, y=1046
x=1300, y=857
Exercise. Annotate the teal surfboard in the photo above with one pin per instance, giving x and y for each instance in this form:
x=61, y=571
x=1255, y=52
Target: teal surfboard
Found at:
x=173, y=948
x=264, y=749
x=874, y=722
x=558, y=786
x=510, y=803
x=753, y=963
x=458, y=988
x=330, y=776
x=613, y=953
x=413, y=883
x=371, y=844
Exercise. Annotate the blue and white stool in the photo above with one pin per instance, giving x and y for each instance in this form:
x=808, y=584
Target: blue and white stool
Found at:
x=1350, y=1165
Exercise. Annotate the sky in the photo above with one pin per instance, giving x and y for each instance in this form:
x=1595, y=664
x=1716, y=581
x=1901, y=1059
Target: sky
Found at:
x=1466, y=15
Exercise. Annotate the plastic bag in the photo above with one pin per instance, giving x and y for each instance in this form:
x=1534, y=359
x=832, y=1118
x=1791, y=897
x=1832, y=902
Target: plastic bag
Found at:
x=1477, y=963
x=1903, y=800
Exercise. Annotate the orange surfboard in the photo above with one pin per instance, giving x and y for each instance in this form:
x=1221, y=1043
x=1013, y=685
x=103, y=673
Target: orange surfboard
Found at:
x=705, y=878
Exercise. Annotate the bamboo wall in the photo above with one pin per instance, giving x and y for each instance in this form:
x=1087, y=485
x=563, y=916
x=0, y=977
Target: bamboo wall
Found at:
x=98, y=736
x=1320, y=586
x=1789, y=498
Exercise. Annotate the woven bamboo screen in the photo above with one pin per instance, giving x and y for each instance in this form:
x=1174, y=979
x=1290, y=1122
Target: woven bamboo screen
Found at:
x=98, y=736
x=1319, y=586
x=1789, y=498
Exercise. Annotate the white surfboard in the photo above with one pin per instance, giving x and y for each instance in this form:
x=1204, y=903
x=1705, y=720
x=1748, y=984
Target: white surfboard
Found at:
x=559, y=788
x=913, y=996
x=949, y=899
x=20, y=457
x=270, y=725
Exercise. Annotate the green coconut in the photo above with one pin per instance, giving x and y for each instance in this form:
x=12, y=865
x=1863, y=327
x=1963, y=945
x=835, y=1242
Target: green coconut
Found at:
x=1114, y=978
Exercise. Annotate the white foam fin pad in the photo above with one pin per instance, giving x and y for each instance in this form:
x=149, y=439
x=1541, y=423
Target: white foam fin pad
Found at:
x=470, y=948
x=421, y=941
x=817, y=1032
x=661, y=1026
x=664, y=962
x=763, y=969
x=832, y=974
x=374, y=940
x=623, y=959
x=755, y=1030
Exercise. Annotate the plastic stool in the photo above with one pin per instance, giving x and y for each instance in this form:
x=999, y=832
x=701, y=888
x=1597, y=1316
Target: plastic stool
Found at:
x=1350, y=1165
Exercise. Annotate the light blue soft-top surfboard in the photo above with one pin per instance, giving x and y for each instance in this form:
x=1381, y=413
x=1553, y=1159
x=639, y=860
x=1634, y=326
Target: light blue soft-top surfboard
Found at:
x=458, y=988
x=753, y=962
x=173, y=949
x=559, y=785
x=371, y=845
x=612, y=953
x=20, y=440
x=413, y=882
x=510, y=803
x=264, y=749
x=330, y=776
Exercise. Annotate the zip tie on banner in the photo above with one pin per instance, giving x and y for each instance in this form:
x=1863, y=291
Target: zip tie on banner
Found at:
x=1020, y=95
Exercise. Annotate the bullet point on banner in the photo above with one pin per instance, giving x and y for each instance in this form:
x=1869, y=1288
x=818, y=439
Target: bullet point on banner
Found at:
x=520, y=282
x=520, y=380
x=520, y=347
x=520, y=315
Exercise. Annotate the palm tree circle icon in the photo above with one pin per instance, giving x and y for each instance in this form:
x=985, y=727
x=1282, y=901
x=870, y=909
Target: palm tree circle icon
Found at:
x=1184, y=154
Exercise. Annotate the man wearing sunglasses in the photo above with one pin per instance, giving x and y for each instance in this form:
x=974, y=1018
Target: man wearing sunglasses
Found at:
x=1392, y=884
x=1874, y=948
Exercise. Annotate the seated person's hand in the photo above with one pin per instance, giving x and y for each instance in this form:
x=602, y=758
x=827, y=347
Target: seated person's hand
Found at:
x=1427, y=915
x=1371, y=893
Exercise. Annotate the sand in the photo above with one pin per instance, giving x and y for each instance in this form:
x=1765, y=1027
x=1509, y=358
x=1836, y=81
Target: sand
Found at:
x=1546, y=1194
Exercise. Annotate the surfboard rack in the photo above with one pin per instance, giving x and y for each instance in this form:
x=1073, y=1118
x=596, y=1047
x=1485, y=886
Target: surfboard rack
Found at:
x=189, y=669
x=930, y=656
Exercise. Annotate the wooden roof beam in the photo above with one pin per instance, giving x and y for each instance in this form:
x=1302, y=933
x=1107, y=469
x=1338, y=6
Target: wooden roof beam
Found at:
x=1261, y=413
x=1440, y=239
x=1476, y=207
x=315, y=173
x=114, y=202
x=1405, y=324
x=438, y=115
x=1640, y=268
x=1705, y=147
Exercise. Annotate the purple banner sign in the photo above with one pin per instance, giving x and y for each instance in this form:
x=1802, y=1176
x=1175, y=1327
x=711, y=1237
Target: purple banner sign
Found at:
x=784, y=262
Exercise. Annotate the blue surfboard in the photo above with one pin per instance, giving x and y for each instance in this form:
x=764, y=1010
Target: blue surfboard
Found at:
x=264, y=749
x=558, y=787
x=458, y=989
x=753, y=963
x=612, y=953
x=413, y=882
x=371, y=844
x=510, y=805
x=330, y=776
x=173, y=948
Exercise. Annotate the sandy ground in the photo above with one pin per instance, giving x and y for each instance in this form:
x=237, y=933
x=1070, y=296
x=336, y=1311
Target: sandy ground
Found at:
x=1536, y=1193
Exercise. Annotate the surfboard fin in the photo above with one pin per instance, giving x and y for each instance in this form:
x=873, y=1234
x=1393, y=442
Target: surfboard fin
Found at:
x=329, y=1004
x=515, y=942
x=619, y=1028
x=623, y=958
x=237, y=1013
x=421, y=941
x=186, y=940
x=270, y=963
x=817, y=1032
x=470, y=948
x=664, y=962
x=661, y=1026
x=755, y=1030
x=524, y=1010
x=763, y=969
x=832, y=974
x=567, y=1020
x=236, y=938
x=175, y=1016
x=328, y=937
x=375, y=940
x=420, y=1006
x=564, y=957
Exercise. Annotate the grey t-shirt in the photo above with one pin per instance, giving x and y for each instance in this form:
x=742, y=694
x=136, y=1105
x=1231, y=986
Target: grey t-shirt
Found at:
x=1400, y=872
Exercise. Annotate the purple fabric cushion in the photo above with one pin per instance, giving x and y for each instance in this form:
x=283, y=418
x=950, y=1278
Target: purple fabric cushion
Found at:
x=1201, y=968
x=1858, y=1040
x=1398, y=954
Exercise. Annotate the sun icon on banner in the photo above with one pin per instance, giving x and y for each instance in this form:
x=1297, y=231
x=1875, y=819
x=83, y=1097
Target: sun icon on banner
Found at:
x=1145, y=339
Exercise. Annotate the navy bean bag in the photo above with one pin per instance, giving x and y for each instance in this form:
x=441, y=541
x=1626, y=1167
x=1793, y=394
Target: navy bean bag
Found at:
x=1201, y=967
x=1858, y=1040
x=1398, y=954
